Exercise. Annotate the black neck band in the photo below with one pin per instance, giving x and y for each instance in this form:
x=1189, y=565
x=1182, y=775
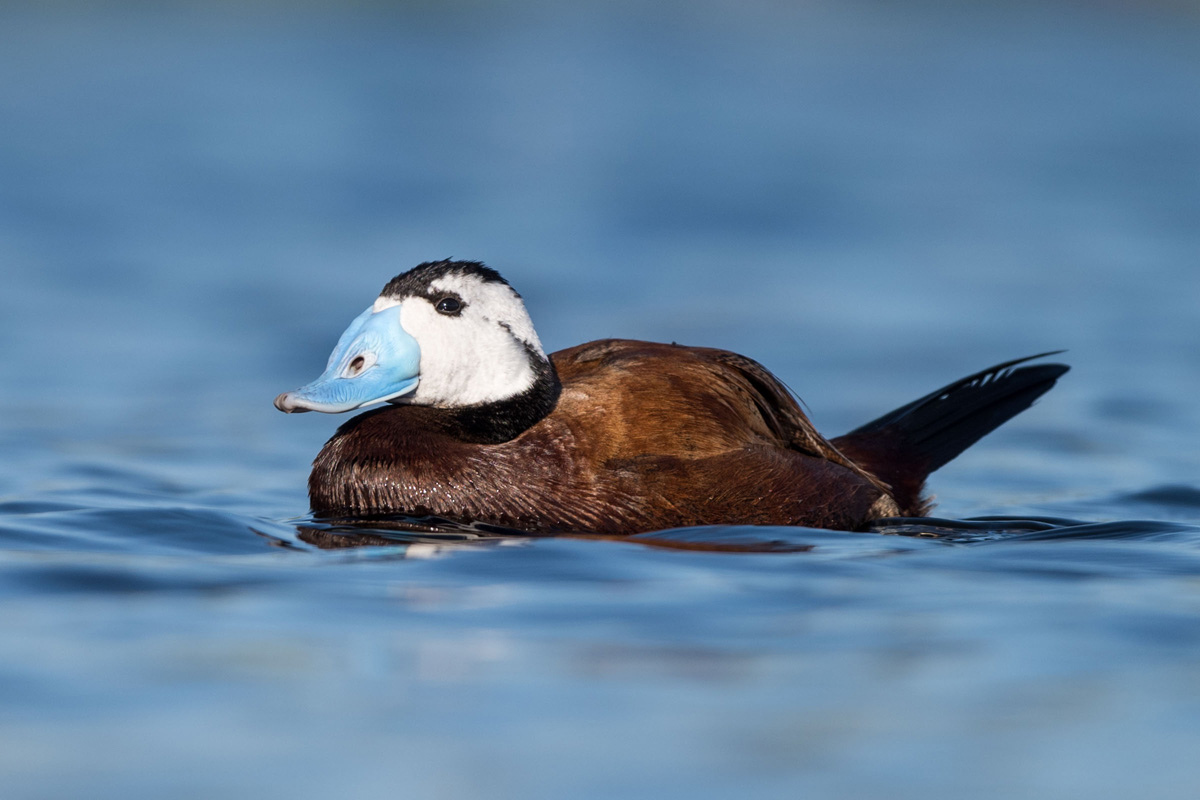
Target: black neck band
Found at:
x=502, y=420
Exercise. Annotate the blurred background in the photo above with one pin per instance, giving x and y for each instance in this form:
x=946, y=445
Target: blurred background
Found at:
x=871, y=198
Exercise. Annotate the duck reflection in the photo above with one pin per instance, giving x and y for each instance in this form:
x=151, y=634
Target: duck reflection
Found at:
x=426, y=536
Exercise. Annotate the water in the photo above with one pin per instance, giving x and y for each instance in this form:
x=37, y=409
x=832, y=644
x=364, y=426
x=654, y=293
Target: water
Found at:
x=871, y=199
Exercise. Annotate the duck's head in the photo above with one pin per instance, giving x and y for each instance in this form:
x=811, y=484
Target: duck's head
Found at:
x=449, y=334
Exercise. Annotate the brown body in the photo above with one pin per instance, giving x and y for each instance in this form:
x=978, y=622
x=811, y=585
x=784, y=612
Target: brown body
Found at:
x=611, y=437
x=643, y=437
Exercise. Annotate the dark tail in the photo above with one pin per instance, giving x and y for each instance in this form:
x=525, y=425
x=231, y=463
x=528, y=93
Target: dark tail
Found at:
x=903, y=447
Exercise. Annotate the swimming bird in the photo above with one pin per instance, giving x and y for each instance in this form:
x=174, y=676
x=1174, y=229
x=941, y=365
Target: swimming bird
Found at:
x=609, y=437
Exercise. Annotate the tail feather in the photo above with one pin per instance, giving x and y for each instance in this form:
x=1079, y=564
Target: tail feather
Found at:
x=905, y=445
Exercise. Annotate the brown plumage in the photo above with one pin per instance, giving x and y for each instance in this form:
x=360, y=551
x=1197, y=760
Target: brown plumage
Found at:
x=612, y=437
x=643, y=436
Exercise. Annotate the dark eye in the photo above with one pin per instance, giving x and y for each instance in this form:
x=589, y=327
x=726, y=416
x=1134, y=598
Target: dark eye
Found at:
x=449, y=306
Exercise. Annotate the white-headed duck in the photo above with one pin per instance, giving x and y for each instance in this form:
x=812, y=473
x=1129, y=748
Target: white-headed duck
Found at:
x=608, y=437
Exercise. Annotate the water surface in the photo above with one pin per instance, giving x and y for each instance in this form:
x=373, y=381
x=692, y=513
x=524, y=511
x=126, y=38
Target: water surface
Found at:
x=872, y=200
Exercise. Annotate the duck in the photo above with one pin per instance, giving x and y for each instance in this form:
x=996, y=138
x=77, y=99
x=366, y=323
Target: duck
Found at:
x=477, y=424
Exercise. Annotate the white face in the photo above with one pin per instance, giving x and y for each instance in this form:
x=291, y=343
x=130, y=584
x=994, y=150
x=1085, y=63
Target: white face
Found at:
x=477, y=356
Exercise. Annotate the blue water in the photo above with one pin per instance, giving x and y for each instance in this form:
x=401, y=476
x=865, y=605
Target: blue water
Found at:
x=872, y=199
